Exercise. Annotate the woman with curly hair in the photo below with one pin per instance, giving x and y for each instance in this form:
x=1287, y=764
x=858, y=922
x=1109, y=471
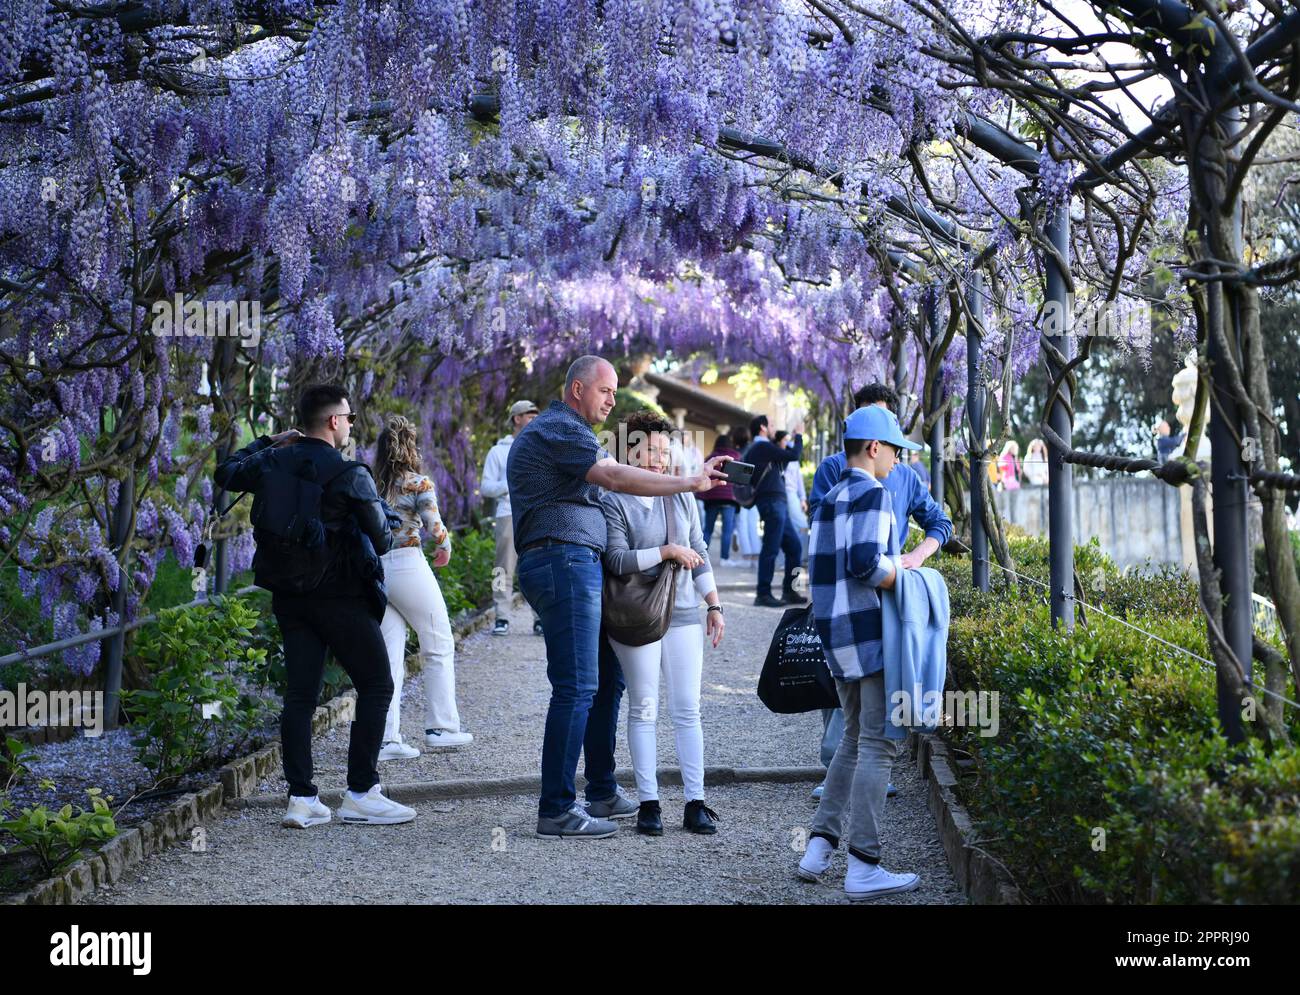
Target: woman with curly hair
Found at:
x=414, y=597
x=637, y=541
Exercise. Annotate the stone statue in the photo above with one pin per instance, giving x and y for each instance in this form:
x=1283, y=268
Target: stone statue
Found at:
x=1185, y=398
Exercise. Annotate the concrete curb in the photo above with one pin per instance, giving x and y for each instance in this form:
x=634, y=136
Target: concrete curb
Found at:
x=419, y=791
x=982, y=879
x=235, y=782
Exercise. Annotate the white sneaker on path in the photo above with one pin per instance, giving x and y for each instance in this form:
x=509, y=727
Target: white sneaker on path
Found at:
x=305, y=812
x=373, y=809
x=864, y=881
x=816, y=859
x=397, y=750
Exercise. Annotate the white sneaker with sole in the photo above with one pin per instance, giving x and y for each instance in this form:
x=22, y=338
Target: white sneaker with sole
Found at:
x=866, y=881
x=373, y=809
x=396, y=750
x=816, y=859
x=445, y=739
x=304, y=812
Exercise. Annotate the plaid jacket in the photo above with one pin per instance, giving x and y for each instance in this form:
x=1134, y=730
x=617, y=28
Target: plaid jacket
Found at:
x=852, y=534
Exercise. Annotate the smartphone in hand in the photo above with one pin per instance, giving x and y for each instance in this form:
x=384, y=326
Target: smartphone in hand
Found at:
x=738, y=472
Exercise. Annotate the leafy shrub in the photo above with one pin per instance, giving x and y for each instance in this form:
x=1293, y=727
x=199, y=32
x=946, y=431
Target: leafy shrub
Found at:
x=466, y=581
x=199, y=708
x=1109, y=779
x=58, y=838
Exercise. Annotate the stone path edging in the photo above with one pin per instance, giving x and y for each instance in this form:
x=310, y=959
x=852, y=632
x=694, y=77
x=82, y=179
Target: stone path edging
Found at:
x=982, y=878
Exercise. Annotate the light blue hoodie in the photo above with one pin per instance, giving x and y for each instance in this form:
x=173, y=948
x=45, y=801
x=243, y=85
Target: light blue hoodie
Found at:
x=915, y=650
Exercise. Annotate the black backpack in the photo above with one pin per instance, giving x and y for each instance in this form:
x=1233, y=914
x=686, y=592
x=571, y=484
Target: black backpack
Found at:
x=746, y=495
x=293, y=553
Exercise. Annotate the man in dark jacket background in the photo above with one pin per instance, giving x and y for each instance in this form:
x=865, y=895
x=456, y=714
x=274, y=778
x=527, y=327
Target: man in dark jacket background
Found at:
x=770, y=461
x=335, y=614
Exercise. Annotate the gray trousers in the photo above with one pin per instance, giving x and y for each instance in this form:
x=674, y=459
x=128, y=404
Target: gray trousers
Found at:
x=507, y=560
x=503, y=577
x=858, y=776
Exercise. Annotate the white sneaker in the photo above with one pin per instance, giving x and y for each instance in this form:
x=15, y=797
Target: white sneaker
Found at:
x=445, y=739
x=397, y=750
x=373, y=809
x=866, y=881
x=816, y=858
x=304, y=812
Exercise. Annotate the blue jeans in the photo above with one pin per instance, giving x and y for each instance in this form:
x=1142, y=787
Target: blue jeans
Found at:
x=832, y=733
x=712, y=510
x=602, y=725
x=778, y=532
x=562, y=585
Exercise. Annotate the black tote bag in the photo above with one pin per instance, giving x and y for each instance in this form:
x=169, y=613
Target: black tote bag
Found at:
x=795, y=677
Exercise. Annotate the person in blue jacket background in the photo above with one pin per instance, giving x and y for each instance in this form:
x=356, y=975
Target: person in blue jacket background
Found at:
x=909, y=498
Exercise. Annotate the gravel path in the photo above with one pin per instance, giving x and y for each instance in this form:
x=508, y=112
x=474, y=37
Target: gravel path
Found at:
x=482, y=850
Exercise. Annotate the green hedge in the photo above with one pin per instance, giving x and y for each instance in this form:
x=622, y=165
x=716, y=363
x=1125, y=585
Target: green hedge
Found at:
x=1108, y=780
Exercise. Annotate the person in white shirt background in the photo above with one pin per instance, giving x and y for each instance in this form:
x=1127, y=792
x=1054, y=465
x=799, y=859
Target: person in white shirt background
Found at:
x=796, y=493
x=493, y=485
x=686, y=460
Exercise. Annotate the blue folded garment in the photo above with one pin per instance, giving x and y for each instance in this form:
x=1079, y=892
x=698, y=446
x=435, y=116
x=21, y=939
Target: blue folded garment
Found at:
x=914, y=646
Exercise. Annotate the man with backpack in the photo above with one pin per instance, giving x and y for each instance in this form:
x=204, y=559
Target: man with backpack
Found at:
x=320, y=526
x=769, y=498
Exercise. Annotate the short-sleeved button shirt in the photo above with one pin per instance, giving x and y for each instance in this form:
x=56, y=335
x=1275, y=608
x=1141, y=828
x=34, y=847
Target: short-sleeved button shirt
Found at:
x=546, y=471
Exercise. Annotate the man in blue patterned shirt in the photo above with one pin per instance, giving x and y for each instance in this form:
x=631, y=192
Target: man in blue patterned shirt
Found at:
x=853, y=556
x=555, y=473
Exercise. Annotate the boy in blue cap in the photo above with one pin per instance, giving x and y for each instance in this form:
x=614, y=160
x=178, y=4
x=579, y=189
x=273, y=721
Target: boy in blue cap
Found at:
x=853, y=555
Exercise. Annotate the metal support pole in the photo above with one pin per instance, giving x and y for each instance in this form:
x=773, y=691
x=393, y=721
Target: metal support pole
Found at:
x=976, y=300
x=1229, y=488
x=1060, y=475
x=934, y=400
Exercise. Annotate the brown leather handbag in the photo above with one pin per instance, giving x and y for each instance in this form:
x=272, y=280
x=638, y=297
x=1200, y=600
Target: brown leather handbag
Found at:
x=638, y=609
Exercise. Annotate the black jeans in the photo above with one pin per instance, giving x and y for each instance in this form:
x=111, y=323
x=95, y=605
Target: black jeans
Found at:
x=347, y=627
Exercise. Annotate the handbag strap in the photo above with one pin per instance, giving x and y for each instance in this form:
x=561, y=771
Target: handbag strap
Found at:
x=670, y=517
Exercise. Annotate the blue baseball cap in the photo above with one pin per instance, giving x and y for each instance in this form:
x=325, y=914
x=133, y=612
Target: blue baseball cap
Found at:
x=875, y=422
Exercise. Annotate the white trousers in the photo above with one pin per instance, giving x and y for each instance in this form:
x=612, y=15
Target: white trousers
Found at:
x=415, y=599
x=747, y=531
x=680, y=657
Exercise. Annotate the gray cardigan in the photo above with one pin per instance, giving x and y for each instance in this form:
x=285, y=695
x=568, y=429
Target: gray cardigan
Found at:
x=631, y=526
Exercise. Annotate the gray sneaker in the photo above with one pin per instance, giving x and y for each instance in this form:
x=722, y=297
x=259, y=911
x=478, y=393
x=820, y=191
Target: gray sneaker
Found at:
x=575, y=823
x=618, y=807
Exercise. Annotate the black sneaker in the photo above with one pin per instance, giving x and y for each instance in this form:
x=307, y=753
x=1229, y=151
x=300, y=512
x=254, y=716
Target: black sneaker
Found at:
x=765, y=600
x=502, y=627
x=649, y=820
x=699, y=818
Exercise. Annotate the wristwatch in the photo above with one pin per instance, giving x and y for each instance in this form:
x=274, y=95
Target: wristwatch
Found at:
x=715, y=608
